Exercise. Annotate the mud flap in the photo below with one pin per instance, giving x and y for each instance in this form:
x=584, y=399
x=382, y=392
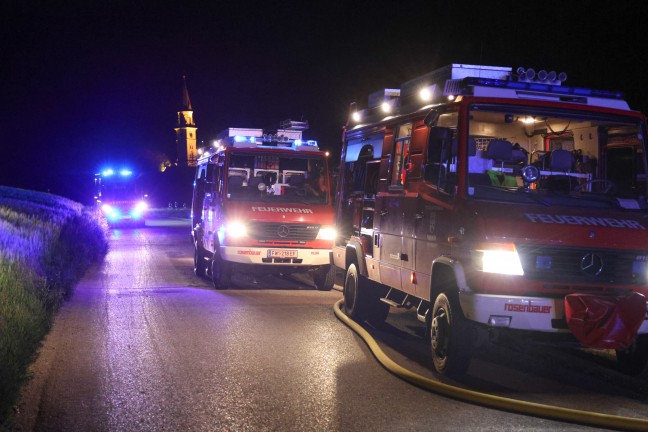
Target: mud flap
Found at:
x=605, y=322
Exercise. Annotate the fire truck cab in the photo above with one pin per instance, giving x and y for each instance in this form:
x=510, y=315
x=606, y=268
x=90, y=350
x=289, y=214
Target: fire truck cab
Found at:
x=491, y=200
x=261, y=203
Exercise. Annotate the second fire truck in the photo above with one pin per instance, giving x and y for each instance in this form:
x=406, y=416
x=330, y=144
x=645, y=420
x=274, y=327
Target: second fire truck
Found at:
x=262, y=204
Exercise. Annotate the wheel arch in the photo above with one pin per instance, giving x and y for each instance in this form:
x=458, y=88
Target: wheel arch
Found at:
x=447, y=276
x=355, y=254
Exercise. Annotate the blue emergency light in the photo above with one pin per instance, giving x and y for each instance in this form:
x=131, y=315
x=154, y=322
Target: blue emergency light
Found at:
x=241, y=138
x=307, y=143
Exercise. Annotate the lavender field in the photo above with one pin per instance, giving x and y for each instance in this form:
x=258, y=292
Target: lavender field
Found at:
x=47, y=243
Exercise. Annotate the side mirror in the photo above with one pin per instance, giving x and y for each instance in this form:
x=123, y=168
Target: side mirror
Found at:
x=431, y=118
x=439, y=139
x=434, y=173
x=199, y=184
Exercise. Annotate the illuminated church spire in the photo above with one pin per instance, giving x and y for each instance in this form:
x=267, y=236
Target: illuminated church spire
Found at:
x=186, y=130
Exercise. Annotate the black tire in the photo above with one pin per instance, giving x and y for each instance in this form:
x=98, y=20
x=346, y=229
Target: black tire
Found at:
x=632, y=361
x=200, y=263
x=324, y=278
x=450, y=337
x=362, y=298
x=221, y=272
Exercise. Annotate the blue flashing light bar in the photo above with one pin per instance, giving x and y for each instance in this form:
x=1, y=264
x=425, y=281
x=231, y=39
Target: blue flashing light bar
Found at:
x=272, y=139
x=110, y=172
x=549, y=88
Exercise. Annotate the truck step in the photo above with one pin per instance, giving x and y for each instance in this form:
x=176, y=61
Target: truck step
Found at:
x=390, y=302
x=397, y=299
x=422, y=310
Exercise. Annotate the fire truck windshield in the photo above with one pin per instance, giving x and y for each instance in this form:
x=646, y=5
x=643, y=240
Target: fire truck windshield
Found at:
x=269, y=177
x=557, y=157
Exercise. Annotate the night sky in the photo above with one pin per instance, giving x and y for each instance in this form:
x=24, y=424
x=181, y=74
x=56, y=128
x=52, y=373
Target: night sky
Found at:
x=94, y=83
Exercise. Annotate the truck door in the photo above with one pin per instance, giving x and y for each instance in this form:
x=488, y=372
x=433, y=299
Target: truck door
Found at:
x=199, y=195
x=433, y=217
x=391, y=212
x=213, y=205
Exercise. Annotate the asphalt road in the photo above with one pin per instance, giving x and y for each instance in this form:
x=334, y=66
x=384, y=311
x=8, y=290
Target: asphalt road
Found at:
x=144, y=345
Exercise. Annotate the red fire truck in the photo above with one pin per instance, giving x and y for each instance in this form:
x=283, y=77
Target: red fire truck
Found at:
x=262, y=204
x=491, y=200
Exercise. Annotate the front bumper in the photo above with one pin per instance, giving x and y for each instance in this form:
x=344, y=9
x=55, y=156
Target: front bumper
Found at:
x=276, y=256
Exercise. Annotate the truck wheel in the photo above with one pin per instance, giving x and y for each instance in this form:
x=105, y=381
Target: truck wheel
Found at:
x=632, y=361
x=324, y=278
x=362, y=298
x=449, y=337
x=200, y=264
x=220, y=272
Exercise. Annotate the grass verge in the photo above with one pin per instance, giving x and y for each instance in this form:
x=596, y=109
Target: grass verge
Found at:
x=46, y=245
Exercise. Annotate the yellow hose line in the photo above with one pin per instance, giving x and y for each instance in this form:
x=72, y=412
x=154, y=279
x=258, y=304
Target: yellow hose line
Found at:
x=484, y=399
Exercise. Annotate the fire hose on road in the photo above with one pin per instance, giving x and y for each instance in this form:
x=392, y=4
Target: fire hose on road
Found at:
x=491, y=401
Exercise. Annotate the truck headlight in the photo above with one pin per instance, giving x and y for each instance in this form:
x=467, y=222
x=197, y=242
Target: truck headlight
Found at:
x=236, y=230
x=326, y=233
x=111, y=212
x=139, y=209
x=499, y=258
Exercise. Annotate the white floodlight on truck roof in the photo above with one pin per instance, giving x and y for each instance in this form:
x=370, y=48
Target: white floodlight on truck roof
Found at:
x=426, y=93
x=377, y=98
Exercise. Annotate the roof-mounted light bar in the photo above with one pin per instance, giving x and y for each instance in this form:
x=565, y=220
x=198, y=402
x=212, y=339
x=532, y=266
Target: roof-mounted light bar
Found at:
x=266, y=140
x=551, y=77
x=109, y=172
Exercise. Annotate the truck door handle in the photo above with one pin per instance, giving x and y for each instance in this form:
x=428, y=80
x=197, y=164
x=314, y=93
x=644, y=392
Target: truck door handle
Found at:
x=383, y=212
x=419, y=216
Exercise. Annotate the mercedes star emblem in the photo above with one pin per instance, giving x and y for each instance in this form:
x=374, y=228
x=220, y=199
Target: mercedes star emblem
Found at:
x=591, y=264
x=283, y=231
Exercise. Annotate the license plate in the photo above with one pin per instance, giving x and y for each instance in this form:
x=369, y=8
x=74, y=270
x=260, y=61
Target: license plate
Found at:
x=282, y=253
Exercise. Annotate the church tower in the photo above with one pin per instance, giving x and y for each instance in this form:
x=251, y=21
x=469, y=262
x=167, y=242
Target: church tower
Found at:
x=186, y=131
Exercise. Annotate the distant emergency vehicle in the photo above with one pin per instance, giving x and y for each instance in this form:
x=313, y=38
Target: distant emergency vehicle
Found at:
x=493, y=200
x=262, y=204
x=120, y=195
